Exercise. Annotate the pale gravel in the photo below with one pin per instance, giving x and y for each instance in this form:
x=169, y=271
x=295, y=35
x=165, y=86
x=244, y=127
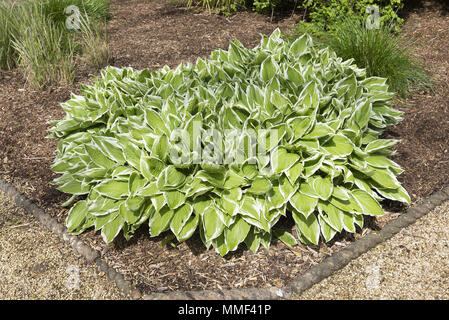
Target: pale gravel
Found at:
x=37, y=264
x=414, y=264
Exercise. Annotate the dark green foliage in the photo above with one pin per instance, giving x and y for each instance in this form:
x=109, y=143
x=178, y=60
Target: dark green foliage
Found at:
x=325, y=14
x=322, y=12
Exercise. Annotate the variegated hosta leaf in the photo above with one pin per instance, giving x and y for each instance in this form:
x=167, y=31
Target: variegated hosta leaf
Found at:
x=228, y=146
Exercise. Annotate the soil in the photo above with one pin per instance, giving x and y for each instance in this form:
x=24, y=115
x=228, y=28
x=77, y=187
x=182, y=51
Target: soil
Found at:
x=151, y=34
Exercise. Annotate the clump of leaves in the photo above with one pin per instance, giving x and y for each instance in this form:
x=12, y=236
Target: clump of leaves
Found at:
x=325, y=14
x=326, y=166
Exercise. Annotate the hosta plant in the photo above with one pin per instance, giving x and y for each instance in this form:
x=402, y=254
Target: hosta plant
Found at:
x=302, y=125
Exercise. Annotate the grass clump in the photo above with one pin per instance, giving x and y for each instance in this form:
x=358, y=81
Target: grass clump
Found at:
x=7, y=31
x=44, y=53
x=382, y=52
x=34, y=36
x=94, y=46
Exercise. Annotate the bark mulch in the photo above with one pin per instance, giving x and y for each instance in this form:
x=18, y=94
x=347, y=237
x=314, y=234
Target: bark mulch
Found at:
x=151, y=34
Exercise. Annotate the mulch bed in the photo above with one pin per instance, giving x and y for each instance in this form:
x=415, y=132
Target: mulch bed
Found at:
x=152, y=34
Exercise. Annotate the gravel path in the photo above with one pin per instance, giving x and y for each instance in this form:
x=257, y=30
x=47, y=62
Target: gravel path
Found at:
x=414, y=264
x=36, y=264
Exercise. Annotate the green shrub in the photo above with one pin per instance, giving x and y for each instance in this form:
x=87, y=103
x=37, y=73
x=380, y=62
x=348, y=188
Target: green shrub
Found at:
x=326, y=13
x=265, y=6
x=178, y=149
x=380, y=51
x=321, y=12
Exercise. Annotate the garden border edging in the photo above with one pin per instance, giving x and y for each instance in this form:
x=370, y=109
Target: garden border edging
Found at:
x=298, y=285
